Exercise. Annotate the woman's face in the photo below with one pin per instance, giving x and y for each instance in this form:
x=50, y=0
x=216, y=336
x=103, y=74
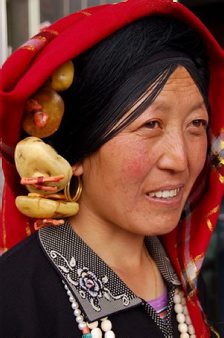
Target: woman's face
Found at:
x=140, y=180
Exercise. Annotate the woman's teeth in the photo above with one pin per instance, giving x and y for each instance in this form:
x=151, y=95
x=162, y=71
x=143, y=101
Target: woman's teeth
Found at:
x=164, y=193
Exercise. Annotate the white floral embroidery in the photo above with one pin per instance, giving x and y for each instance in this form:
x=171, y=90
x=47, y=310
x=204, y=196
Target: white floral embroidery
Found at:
x=88, y=284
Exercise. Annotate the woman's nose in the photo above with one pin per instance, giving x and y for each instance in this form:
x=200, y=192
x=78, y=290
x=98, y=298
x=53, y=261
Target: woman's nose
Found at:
x=174, y=155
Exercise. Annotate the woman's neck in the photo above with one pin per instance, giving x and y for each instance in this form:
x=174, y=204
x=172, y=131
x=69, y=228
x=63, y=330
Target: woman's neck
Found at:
x=123, y=251
x=116, y=246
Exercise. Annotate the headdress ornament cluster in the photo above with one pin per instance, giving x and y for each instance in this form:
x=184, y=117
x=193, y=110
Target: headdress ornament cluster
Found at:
x=45, y=173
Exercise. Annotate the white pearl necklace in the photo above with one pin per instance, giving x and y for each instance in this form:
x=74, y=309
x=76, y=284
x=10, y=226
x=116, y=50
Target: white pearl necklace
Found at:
x=92, y=330
x=185, y=326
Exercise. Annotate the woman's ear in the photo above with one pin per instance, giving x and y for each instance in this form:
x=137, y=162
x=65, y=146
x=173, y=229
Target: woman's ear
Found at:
x=77, y=169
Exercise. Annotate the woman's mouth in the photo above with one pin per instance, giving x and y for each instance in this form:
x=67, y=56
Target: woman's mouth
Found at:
x=164, y=194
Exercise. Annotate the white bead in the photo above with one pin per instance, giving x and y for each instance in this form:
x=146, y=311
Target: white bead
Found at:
x=193, y=336
x=182, y=328
x=104, y=318
x=178, y=308
x=183, y=301
x=71, y=299
x=177, y=299
x=180, y=318
x=77, y=312
x=191, y=329
x=109, y=334
x=184, y=335
x=82, y=325
x=96, y=333
x=187, y=319
x=181, y=293
x=106, y=325
x=93, y=325
x=185, y=310
x=75, y=305
x=69, y=293
x=79, y=319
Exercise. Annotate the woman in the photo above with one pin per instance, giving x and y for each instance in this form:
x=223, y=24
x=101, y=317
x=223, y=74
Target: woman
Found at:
x=135, y=131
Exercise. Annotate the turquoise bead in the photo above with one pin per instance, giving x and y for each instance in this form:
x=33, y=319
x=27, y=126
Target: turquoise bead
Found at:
x=87, y=335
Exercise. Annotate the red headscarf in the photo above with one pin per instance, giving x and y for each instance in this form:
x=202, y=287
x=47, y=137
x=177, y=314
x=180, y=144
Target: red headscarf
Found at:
x=33, y=63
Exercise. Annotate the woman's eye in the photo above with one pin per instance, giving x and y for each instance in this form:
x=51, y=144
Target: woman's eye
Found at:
x=200, y=123
x=152, y=124
x=198, y=127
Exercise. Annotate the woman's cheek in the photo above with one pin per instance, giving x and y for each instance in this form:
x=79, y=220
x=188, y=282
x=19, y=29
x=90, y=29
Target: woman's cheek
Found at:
x=198, y=154
x=136, y=164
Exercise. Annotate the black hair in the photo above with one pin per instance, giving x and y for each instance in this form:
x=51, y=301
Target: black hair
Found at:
x=113, y=75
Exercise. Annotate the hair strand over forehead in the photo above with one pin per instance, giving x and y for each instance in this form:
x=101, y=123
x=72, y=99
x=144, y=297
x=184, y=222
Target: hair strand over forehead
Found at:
x=113, y=75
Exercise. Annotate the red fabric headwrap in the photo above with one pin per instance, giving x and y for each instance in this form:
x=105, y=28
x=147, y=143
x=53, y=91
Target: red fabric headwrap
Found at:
x=32, y=64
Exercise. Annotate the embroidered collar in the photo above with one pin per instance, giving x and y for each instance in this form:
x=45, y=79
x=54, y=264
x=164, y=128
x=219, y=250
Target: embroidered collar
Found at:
x=99, y=291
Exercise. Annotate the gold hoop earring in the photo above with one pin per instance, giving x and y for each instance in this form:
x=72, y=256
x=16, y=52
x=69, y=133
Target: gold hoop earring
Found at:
x=67, y=190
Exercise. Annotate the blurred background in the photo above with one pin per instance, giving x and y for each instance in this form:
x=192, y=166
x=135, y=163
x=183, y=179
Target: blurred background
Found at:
x=21, y=19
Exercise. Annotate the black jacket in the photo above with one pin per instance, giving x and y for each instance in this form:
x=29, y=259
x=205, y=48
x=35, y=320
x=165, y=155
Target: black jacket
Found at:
x=34, y=304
